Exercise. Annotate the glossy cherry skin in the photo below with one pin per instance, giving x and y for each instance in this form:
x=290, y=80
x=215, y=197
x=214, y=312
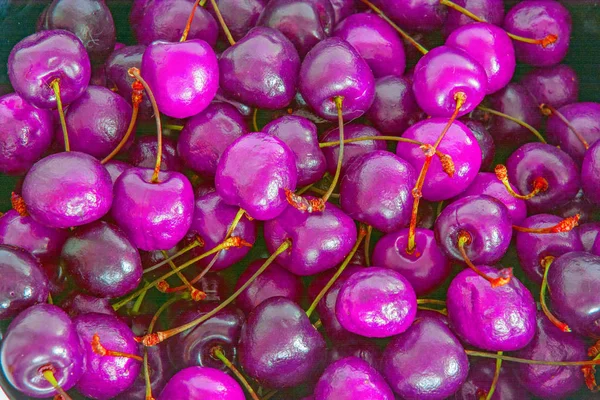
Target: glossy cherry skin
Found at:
x=551, y=344
x=67, y=189
x=305, y=23
x=589, y=174
x=106, y=376
x=491, y=11
x=487, y=183
x=183, y=76
x=459, y=143
x=376, y=189
x=78, y=304
x=494, y=319
x=351, y=150
x=144, y=150
x=419, y=15
x=239, y=16
x=253, y=173
x=40, y=58
x=557, y=86
x=425, y=269
x=532, y=248
x=441, y=74
x=90, y=20
x=481, y=374
x=376, y=302
x=153, y=224
x=485, y=219
x=537, y=19
x=194, y=346
x=376, y=42
x=352, y=372
x=269, y=350
x=394, y=108
x=23, y=281
x=41, y=336
x=201, y=383
x=276, y=281
x=212, y=218
x=26, y=136
x=413, y=375
x=491, y=47
x=206, y=135
x=534, y=160
x=334, y=68
x=358, y=347
x=242, y=108
x=115, y=168
x=300, y=134
x=588, y=233
x=342, y=9
x=271, y=82
x=585, y=118
x=96, y=122
x=573, y=279
x=102, y=260
x=165, y=20
x=485, y=140
x=320, y=240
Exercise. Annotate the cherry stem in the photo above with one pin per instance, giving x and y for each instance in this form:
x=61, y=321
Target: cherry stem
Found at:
x=50, y=300
x=188, y=24
x=492, y=389
x=55, y=84
x=442, y=311
x=222, y=22
x=156, y=338
x=322, y=192
x=431, y=301
x=474, y=353
x=515, y=120
x=18, y=204
x=147, y=381
x=318, y=323
x=565, y=225
x=230, y=242
x=546, y=263
x=134, y=72
x=339, y=100
x=460, y=98
x=589, y=375
x=48, y=373
x=99, y=349
x=548, y=110
x=138, y=302
x=217, y=352
x=254, y=120
x=173, y=127
x=402, y=33
x=362, y=232
x=546, y=41
x=196, y=243
x=136, y=99
x=197, y=295
x=504, y=275
x=539, y=184
x=368, y=246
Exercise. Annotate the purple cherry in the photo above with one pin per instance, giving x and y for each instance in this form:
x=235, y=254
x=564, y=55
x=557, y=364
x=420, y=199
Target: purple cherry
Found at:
x=491, y=11
x=481, y=375
x=364, y=349
x=115, y=168
x=589, y=174
x=39, y=59
x=416, y=15
x=254, y=172
x=78, y=304
x=27, y=134
x=183, y=76
x=67, y=189
x=492, y=318
x=342, y=9
x=239, y=16
x=155, y=216
x=557, y=85
x=485, y=140
x=201, y=383
x=144, y=150
x=376, y=302
x=588, y=234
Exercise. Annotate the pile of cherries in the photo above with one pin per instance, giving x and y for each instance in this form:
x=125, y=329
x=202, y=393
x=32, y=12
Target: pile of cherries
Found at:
x=353, y=247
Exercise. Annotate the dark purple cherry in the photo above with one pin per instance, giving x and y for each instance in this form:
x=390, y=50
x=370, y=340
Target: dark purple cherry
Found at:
x=416, y=15
x=479, y=381
x=304, y=22
x=102, y=260
x=155, y=216
x=590, y=181
x=239, y=16
x=498, y=318
x=491, y=11
x=106, y=376
x=276, y=281
x=39, y=59
x=115, y=168
x=557, y=85
x=271, y=82
x=342, y=9
x=376, y=42
x=300, y=134
x=242, y=108
x=588, y=234
x=573, y=279
x=320, y=240
x=90, y=20
x=144, y=150
x=98, y=77
x=202, y=383
x=206, y=135
x=533, y=160
x=23, y=281
x=361, y=348
x=579, y=205
x=270, y=350
x=27, y=134
x=333, y=68
x=405, y=359
x=67, y=189
x=78, y=304
x=254, y=172
x=394, y=108
x=42, y=338
x=485, y=140
x=351, y=378
x=425, y=269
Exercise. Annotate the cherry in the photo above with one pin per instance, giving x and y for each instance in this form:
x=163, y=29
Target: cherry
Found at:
x=243, y=109
x=342, y=9
x=364, y=349
x=492, y=11
x=557, y=85
x=115, y=168
x=588, y=234
x=239, y=16
x=479, y=381
x=589, y=173
x=78, y=304
x=485, y=140
x=419, y=15
x=201, y=382
x=574, y=128
x=144, y=151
